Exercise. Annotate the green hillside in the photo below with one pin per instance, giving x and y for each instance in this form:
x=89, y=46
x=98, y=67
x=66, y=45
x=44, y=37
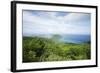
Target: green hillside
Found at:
x=37, y=49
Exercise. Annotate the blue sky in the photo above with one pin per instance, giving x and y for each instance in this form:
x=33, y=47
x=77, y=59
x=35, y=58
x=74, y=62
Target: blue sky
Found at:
x=51, y=22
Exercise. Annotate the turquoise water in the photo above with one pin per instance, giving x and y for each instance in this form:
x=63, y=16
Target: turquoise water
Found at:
x=76, y=38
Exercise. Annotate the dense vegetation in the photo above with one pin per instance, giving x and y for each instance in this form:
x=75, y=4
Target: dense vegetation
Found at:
x=38, y=49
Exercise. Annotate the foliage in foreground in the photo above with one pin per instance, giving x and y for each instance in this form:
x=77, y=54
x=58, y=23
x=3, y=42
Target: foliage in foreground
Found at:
x=36, y=49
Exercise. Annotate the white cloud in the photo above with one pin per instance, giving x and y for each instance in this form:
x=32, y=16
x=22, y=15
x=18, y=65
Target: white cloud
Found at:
x=49, y=23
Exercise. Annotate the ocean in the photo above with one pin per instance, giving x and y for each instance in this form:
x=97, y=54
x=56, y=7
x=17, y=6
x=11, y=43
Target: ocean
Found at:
x=75, y=38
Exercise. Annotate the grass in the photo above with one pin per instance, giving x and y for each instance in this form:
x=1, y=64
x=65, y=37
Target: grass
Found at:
x=37, y=49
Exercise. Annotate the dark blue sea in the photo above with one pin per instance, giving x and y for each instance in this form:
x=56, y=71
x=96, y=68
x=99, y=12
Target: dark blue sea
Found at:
x=75, y=38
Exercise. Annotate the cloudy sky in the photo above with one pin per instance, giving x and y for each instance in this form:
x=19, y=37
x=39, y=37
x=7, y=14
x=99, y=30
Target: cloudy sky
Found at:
x=50, y=22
